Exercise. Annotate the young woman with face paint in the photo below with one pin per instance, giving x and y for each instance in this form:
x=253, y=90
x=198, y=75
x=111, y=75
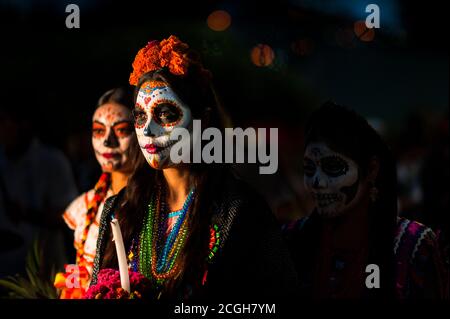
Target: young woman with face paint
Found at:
x=194, y=230
x=351, y=176
x=112, y=134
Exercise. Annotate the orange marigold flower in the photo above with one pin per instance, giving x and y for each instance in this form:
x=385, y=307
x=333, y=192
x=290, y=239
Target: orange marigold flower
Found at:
x=178, y=65
x=80, y=282
x=170, y=53
x=170, y=46
x=147, y=59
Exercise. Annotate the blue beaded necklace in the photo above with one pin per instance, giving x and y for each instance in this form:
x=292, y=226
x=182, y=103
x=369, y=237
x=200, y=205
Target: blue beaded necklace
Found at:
x=163, y=260
x=155, y=255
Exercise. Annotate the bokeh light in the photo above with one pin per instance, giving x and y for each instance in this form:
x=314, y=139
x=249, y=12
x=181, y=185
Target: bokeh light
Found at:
x=262, y=55
x=362, y=32
x=219, y=20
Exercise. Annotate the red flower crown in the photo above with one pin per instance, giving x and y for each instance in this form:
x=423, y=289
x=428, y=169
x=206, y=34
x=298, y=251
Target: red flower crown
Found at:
x=171, y=53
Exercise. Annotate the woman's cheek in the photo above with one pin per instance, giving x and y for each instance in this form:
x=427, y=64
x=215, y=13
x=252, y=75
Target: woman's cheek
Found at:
x=97, y=143
x=139, y=135
x=125, y=142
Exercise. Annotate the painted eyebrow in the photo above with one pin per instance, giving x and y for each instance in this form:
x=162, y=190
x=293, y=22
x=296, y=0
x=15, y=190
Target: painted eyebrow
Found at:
x=165, y=100
x=120, y=122
x=98, y=122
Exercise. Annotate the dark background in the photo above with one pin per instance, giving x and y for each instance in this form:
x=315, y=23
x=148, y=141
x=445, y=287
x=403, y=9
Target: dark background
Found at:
x=398, y=80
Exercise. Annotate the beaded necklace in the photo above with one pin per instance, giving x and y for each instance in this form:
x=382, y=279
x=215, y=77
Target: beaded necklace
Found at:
x=157, y=253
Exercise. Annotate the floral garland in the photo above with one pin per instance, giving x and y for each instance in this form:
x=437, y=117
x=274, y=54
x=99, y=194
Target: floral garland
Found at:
x=100, y=191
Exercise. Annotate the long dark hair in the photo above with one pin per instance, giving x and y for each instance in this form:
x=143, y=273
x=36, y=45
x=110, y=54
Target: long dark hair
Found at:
x=346, y=132
x=196, y=90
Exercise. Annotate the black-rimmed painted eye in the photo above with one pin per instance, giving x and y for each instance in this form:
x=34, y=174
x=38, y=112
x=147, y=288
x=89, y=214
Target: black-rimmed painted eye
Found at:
x=334, y=166
x=167, y=114
x=140, y=117
x=309, y=168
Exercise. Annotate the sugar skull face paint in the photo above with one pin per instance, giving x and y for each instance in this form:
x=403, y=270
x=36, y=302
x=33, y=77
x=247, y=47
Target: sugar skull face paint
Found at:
x=157, y=113
x=332, y=179
x=112, y=131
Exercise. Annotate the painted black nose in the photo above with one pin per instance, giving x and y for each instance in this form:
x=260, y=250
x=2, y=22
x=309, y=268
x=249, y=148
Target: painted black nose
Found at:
x=111, y=141
x=148, y=132
x=316, y=183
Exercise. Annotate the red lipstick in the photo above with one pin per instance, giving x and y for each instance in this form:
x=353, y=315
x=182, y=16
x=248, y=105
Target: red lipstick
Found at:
x=152, y=148
x=109, y=155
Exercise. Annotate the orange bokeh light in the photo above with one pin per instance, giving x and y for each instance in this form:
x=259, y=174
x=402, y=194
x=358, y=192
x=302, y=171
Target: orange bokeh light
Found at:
x=362, y=32
x=262, y=55
x=219, y=20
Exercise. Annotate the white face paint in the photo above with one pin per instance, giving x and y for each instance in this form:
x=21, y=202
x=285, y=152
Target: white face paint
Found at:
x=332, y=179
x=157, y=113
x=112, y=132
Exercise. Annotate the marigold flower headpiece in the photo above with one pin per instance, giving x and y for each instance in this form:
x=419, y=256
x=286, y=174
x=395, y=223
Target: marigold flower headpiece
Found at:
x=170, y=53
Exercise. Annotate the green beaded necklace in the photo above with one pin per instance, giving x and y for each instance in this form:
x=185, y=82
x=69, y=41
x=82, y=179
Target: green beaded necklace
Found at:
x=158, y=253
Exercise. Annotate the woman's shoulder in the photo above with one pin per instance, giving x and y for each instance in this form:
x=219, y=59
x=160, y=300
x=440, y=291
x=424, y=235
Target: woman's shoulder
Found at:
x=238, y=209
x=111, y=203
x=243, y=212
x=82, y=200
x=238, y=199
x=418, y=254
x=248, y=230
x=76, y=211
x=411, y=238
x=235, y=188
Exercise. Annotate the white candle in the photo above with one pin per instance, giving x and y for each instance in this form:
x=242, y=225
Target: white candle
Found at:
x=121, y=255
